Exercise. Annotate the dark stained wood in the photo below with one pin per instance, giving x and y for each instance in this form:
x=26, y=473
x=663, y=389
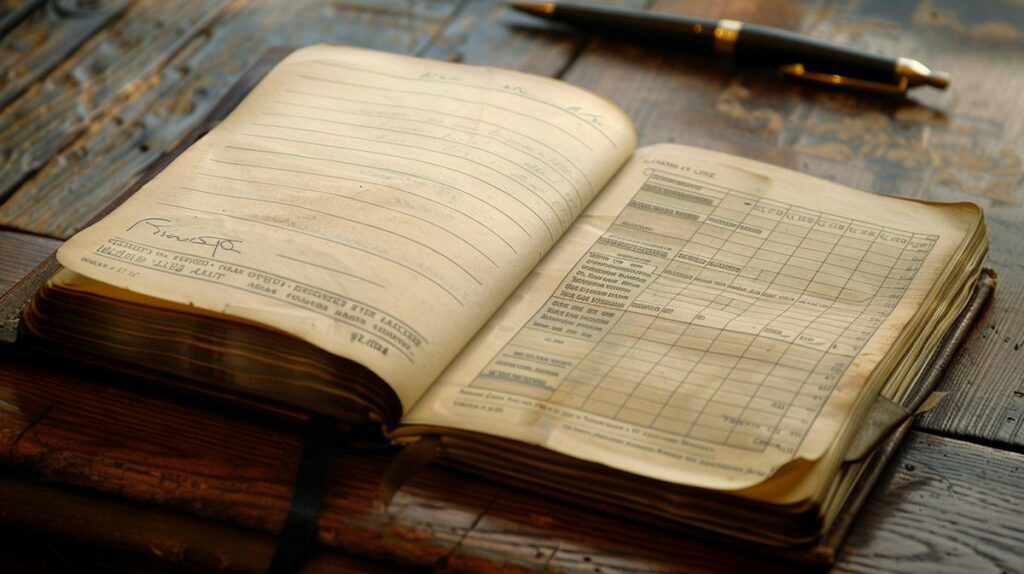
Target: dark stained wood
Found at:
x=82, y=530
x=20, y=253
x=66, y=428
x=958, y=145
x=49, y=35
x=18, y=296
x=25, y=263
x=955, y=501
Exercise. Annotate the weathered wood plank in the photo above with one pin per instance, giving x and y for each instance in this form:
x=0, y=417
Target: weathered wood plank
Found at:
x=986, y=390
x=46, y=38
x=85, y=529
x=13, y=11
x=958, y=145
x=63, y=427
x=490, y=33
x=110, y=66
x=945, y=506
x=130, y=131
x=20, y=253
x=949, y=510
x=957, y=502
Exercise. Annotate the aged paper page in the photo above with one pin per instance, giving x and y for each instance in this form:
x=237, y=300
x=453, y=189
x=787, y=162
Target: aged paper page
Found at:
x=379, y=206
x=707, y=321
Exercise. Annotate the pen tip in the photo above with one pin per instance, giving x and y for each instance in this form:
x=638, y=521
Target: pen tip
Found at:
x=914, y=73
x=939, y=79
x=535, y=8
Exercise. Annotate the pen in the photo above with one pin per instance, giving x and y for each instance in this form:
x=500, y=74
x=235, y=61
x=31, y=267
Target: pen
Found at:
x=794, y=55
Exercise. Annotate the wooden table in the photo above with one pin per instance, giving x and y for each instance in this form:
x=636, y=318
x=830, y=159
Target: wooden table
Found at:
x=94, y=91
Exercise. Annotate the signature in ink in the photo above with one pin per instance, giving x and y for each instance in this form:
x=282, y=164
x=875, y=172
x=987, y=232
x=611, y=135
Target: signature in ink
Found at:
x=162, y=228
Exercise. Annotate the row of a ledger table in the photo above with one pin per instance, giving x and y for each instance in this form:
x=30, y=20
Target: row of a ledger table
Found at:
x=718, y=385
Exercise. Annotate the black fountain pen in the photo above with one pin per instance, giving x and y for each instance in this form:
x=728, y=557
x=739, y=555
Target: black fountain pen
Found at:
x=794, y=55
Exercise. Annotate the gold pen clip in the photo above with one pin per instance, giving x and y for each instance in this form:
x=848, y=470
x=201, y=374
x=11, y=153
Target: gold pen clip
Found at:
x=798, y=71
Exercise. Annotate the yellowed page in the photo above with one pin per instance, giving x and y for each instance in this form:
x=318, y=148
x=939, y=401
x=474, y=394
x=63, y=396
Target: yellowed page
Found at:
x=379, y=206
x=707, y=321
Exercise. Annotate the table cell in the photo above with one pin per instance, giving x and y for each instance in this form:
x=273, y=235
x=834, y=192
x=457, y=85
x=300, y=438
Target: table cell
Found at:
x=647, y=349
x=635, y=417
x=770, y=405
x=854, y=242
x=753, y=364
x=738, y=248
x=788, y=373
x=747, y=239
x=708, y=434
x=825, y=291
x=700, y=386
x=717, y=416
x=848, y=256
x=570, y=400
x=618, y=385
x=745, y=441
x=600, y=408
x=723, y=397
x=822, y=238
x=650, y=393
x=671, y=425
x=880, y=249
x=643, y=405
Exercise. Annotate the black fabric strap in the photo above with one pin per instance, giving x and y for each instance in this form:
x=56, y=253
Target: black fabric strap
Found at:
x=300, y=525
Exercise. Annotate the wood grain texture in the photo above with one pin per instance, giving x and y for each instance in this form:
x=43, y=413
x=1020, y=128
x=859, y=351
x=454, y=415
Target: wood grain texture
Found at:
x=20, y=253
x=945, y=506
x=82, y=530
x=18, y=295
x=490, y=33
x=46, y=38
x=111, y=145
x=64, y=426
x=958, y=145
x=13, y=11
x=110, y=67
x=93, y=123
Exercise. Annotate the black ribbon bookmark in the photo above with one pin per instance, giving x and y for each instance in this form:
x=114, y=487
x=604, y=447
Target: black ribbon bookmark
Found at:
x=300, y=525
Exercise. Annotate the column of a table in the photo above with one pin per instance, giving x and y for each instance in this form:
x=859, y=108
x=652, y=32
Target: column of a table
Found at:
x=622, y=381
x=779, y=363
x=767, y=410
x=745, y=373
x=759, y=269
x=886, y=247
x=703, y=300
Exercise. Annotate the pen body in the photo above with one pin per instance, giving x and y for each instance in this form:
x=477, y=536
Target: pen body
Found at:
x=771, y=47
x=749, y=44
x=696, y=34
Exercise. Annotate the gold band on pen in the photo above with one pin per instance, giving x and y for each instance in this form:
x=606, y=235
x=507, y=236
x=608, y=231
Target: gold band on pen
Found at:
x=726, y=33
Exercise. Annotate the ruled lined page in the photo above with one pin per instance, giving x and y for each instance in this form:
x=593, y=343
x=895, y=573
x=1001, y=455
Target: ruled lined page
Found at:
x=379, y=206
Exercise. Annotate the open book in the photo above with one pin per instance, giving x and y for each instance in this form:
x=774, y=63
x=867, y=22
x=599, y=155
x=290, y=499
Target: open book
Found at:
x=485, y=256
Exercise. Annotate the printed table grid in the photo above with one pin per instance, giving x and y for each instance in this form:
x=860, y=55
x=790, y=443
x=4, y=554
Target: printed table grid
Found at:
x=742, y=329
